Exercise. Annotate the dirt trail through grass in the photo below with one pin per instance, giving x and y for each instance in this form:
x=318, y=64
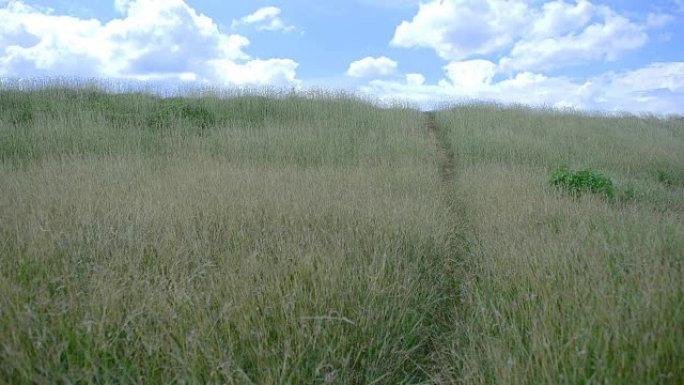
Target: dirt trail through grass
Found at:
x=447, y=161
x=447, y=318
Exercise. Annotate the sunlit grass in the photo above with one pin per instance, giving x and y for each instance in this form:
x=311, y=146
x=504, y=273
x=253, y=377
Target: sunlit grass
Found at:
x=226, y=240
x=561, y=288
x=284, y=237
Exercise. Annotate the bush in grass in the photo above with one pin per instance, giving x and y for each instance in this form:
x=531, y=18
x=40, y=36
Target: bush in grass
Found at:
x=665, y=177
x=580, y=181
x=169, y=110
x=198, y=115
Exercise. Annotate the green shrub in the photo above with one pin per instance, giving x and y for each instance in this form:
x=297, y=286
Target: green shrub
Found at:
x=665, y=177
x=168, y=111
x=580, y=181
x=198, y=115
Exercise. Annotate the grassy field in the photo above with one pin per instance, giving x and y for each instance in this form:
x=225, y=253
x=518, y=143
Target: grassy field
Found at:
x=261, y=238
x=558, y=288
x=225, y=240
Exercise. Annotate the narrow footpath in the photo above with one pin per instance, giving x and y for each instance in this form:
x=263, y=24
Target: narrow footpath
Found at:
x=445, y=154
x=446, y=315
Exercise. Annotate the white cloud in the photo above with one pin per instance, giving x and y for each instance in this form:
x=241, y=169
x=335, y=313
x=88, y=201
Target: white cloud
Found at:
x=522, y=39
x=122, y=5
x=265, y=19
x=370, y=66
x=395, y=4
x=256, y=72
x=658, y=88
x=153, y=39
x=470, y=74
x=557, y=18
x=415, y=79
x=605, y=41
x=457, y=29
x=527, y=35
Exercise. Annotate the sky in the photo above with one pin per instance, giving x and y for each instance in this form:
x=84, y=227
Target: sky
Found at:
x=611, y=55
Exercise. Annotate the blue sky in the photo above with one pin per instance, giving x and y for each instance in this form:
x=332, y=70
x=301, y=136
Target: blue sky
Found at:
x=613, y=55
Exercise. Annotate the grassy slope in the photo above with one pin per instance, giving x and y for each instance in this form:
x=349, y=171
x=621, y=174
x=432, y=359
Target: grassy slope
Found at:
x=311, y=240
x=232, y=240
x=558, y=289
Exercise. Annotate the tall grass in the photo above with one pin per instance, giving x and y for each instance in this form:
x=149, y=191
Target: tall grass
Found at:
x=287, y=238
x=251, y=128
x=560, y=288
x=245, y=239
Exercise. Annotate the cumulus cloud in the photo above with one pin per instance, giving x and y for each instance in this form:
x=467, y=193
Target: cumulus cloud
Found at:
x=153, y=39
x=528, y=36
x=523, y=41
x=457, y=29
x=122, y=5
x=265, y=19
x=256, y=72
x=471, y=74
x=658, y=87
x=370, y=66
x=606, y=41
x=558, y=18
x=415, y=79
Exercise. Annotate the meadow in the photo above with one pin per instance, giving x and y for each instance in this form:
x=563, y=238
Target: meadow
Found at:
x=559, y=287
x=255, y=237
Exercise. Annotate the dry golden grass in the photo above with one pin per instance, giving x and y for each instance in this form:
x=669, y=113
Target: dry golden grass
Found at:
x=253, y=250
x=318, y=239
x=564, y=289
